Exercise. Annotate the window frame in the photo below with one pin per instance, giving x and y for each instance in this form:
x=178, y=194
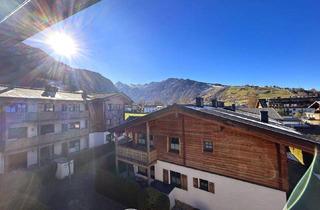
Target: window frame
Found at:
x=174, y=150
x=204, y=148
x=14, y=134
x=47, y=107
x=45, y=133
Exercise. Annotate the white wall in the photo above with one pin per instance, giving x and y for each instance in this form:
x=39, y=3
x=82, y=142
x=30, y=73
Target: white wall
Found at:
x=1, y=163
x=97, y=139
x=83, y=143
x=230, y=194
x=32, y=157
x=57, y=148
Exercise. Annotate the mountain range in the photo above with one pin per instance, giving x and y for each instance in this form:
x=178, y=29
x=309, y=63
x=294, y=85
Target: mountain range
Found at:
x=23, y=65
x=175, y=90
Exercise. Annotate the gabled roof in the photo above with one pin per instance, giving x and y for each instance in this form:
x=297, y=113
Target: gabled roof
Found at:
x=104, y=96
x=28, y=93
x=315, y=105
x=223, y=115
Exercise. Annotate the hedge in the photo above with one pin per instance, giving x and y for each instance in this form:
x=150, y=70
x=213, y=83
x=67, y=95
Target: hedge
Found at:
x=129, y=193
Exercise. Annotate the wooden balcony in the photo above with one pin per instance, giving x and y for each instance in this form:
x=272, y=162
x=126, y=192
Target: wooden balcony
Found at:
x=18, y=117
x=134, y=153
x=25, y=143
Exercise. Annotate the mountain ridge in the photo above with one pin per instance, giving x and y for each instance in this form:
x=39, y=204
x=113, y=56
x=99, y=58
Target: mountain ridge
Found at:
x=175, y=90
x=26, y=66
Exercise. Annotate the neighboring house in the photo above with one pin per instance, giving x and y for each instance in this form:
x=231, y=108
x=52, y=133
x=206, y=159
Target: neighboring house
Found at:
x=151, y=108
x=313, y=116
x=37, y=125
x=288, y=106
x=133, y=108
x=106, y=111
x=210, y=158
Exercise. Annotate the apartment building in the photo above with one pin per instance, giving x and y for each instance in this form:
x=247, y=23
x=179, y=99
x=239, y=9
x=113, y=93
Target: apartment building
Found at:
x=38, y=125
x=288, y=106
x=106, y=110
x=210, y=157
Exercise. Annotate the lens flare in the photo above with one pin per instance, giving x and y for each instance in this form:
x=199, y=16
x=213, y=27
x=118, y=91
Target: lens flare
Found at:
x=62, y=44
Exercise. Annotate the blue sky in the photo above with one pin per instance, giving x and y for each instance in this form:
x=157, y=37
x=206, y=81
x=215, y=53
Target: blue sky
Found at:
x=261, y=42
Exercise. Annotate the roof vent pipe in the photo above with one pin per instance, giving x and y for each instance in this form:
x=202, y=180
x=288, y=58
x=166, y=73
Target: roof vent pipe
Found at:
x=264, y=116
x=199, y=101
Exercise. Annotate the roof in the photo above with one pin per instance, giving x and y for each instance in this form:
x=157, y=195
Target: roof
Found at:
x=272, y=113
x=28, y=93
x=108, y=95
x=315, y=105
x=263, y=103
x=222, y=114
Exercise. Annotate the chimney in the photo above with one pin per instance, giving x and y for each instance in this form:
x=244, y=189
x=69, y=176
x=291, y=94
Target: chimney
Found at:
x=264, y=116
x=199, y=101
x=214, y=102
x=50, y=91
x=220, y=104
x=233, y=107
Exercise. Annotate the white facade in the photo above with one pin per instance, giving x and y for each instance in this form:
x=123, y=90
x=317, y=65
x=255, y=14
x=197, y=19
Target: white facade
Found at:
x=98, y=138
x=230, y=194
x=32, y=157
x=1, y=163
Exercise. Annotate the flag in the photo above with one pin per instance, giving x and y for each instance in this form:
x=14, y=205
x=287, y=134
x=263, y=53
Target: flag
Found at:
x=297, y=154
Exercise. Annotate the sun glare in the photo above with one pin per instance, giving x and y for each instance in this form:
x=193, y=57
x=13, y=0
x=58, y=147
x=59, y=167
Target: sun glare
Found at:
x=62, y=44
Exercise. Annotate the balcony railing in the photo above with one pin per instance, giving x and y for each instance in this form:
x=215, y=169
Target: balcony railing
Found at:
x=136, y=153
x=44, y=139
x=17, y=117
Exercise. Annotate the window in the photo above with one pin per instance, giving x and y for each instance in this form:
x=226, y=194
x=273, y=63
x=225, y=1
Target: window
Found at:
x=142, y=139
x=174, y=144
x=204, y=185
x=44, y=129
x=71, y=107
x=109, y=107
x=108, y=138
x=74, y=146
x=86, y=124
x=17, y=133
x=207, y=146
x=108, y=122
x=151, y=140
x=64, y=107
x=142, y=171
x=48, y=107
x=77, y=107
x=74, y=125
x=20, y=107
x=175, y=179
x=64, y=127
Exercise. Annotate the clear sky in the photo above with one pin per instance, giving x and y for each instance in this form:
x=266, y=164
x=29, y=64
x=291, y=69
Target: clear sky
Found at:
x=261, y=42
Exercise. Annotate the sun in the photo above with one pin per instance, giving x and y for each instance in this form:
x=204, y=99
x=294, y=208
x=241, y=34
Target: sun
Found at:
x=62, y=44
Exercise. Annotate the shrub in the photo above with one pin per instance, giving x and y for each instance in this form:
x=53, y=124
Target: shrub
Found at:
x=129, y=193
x=117, y=188
x=151, y=199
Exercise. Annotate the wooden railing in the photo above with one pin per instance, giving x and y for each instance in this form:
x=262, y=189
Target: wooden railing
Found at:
x=44, y=139
x=133, y=154
x=17, y=117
